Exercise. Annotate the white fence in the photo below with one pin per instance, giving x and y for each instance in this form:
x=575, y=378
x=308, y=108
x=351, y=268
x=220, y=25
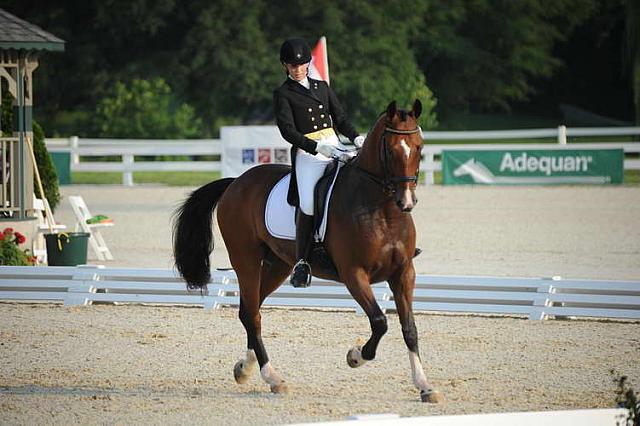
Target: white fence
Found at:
x=129, y=149
x=535, y=298
x=431, y=152
x=589, y=417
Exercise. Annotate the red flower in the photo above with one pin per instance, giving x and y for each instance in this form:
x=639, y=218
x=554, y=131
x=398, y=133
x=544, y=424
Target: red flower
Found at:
x=8, y=231
x=1, y=237
x=20, y=238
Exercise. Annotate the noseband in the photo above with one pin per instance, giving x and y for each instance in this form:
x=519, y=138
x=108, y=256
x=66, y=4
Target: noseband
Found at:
x=389, y=182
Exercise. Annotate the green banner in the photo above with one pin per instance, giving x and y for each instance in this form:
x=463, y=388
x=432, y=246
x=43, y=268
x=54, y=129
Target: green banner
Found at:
x=533, y=167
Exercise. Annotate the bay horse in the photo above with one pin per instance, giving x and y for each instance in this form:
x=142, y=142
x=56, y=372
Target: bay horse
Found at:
x=370, y=237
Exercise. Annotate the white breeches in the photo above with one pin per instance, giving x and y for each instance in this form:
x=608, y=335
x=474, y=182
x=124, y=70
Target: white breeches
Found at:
x=309, y=169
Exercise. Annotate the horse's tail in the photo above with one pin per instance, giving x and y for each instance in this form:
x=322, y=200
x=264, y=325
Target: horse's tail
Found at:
x=193, y=233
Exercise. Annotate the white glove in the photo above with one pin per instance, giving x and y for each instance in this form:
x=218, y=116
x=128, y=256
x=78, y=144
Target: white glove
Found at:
x=326, y=149
x=358, y=141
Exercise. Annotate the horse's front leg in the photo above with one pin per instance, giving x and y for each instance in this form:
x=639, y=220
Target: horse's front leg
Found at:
x=360, y=289
x=402, y=287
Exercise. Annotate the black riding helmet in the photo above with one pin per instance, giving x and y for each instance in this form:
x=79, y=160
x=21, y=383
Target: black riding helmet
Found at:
x=295, y=51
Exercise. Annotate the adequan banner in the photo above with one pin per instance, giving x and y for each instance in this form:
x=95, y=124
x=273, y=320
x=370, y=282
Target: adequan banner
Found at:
x=533, y=167
x=244, y=147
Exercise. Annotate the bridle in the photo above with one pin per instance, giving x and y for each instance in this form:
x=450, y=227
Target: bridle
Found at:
x=389, y=182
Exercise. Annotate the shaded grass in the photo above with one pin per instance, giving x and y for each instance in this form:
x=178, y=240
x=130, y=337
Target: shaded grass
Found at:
x=631, y=177
x=162, y=178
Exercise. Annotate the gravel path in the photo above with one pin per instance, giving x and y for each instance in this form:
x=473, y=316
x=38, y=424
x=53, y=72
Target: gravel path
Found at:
x=140, y=364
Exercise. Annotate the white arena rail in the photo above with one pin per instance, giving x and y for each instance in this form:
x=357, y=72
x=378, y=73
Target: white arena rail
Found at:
x=590, y=417
x=535, y=298
x=128, y=149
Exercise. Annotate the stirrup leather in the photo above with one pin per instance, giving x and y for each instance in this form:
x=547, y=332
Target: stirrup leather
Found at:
x=301, y=276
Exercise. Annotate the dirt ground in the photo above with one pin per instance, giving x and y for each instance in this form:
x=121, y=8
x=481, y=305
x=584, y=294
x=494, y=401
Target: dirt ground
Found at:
x=141, y=364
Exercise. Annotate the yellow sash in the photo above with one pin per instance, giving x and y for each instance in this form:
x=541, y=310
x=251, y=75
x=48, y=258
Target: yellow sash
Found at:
x=321, y=134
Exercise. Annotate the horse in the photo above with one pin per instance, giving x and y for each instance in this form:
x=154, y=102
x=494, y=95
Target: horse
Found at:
x=370, y=238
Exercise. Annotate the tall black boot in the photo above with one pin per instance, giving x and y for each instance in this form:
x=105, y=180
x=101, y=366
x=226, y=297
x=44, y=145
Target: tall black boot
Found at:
x=301, y=276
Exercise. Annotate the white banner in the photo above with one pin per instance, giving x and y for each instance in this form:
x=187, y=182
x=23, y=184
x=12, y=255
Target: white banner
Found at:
x=244, y=147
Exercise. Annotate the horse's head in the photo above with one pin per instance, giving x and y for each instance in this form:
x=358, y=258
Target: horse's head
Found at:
x=395, y=144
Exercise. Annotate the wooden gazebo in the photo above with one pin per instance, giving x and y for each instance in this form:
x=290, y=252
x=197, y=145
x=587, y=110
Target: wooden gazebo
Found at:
x=20, y=45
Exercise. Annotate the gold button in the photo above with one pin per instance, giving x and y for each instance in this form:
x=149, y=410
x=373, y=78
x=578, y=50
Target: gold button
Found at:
x=315, y=127
x=313, y=119
x=311, y=109
x=324, y=125
x=321, y=115
x=320, y=107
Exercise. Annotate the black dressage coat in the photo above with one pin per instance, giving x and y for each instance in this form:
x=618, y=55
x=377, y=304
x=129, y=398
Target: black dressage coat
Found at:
x=300, y=111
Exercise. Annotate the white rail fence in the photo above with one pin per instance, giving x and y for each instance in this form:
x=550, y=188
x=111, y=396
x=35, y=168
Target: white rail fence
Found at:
x=128, y=150
x=588, y=417
x=534, y=298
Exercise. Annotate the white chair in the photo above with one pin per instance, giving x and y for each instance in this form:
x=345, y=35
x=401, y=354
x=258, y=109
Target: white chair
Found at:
x=39, y=246
x=96, y=241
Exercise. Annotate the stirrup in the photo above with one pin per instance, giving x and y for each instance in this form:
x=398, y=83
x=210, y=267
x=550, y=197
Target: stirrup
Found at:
x=417, y=252
x=301, y=276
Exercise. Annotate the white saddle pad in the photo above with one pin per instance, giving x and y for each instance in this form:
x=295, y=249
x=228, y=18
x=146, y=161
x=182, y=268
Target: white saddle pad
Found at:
x=279, y=216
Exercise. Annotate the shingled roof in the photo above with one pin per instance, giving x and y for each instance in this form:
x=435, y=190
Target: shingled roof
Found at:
x=16, y=33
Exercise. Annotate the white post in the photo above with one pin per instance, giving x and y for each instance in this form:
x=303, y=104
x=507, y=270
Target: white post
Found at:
x=429, y=166
x=562, y=135
x=74, y=143
x=127, y=173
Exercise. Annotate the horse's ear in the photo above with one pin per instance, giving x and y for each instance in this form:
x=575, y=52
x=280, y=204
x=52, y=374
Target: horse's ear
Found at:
x=391, y=110
x=417, y=109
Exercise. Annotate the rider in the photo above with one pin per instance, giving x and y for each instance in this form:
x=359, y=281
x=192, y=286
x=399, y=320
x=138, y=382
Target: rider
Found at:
x=308, y=114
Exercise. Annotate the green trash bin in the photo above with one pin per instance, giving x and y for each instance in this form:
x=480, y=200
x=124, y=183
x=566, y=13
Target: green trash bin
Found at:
x=67, y=249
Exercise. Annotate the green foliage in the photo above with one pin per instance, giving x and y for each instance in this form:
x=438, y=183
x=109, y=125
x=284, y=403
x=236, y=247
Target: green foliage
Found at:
x=47, y=170
x=10, y=253
x=487, y=54
x=221, y=57
x=145, y=109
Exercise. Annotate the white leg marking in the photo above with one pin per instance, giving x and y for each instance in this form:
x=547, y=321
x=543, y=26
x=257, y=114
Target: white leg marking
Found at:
x=407, y=150
x=250, y=362
x=419, y=379
x=270, y=375
x=354, y=357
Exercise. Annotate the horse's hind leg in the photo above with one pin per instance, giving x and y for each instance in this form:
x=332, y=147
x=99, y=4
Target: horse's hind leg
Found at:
x=272, y=273
x=402, y=287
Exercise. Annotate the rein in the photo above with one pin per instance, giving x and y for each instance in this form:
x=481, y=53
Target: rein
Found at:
x=388, y=182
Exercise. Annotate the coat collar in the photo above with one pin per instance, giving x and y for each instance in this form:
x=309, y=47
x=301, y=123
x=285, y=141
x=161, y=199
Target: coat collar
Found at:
x=311, y=92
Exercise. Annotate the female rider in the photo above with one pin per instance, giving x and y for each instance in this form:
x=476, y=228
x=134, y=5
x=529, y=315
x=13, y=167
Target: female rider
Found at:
x=308, y=114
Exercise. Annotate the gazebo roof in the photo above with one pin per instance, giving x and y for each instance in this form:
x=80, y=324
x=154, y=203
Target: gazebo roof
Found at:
x=18, y=34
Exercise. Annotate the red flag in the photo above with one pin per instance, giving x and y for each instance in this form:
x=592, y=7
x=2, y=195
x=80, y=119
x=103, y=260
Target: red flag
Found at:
x=319, y=67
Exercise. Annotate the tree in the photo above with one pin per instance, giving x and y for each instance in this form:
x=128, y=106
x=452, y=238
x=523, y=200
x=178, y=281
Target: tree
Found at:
x=485, y=54
x=633, y=52
x=145, y=109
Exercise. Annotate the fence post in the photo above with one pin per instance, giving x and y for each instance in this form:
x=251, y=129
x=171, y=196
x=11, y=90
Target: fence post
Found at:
x=562, y=135
x=127, y=173
x=429, y=160
x=74, y=143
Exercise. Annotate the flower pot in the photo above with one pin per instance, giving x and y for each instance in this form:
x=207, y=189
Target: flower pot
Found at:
x=67, y=249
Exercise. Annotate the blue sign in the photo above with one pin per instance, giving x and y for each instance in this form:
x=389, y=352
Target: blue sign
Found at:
x=248, y=156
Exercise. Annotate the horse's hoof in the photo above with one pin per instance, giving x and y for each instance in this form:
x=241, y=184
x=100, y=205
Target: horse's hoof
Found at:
x=239, y=373
x=432, y=396
x=280, y=388
x=354, y=357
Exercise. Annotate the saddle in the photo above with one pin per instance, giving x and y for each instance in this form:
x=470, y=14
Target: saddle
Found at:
x=280, y=216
